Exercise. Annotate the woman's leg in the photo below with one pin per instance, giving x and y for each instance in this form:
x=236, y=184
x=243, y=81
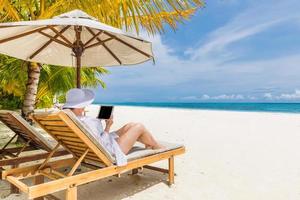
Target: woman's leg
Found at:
x=133, y=132
x=125, y=128
x=147, y=138
x=130, y=125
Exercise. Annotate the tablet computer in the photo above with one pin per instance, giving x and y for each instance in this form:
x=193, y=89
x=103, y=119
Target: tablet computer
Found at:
x=105, y=112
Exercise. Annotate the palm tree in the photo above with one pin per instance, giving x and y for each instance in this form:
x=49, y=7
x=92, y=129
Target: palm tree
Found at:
x=131, y=14
x=54, y=81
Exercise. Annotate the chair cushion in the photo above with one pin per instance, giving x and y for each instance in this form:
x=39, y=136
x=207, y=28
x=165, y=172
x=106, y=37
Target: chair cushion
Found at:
x=38, y=132
x=139, y=151
x=44, y=141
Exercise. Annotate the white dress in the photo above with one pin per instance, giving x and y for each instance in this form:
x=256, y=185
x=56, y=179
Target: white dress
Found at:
x=108, y=140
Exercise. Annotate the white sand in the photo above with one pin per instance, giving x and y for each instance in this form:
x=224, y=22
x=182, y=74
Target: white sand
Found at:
x=230, y=155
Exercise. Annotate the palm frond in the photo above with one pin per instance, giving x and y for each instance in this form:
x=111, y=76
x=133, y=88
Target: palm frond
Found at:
x=57, y=80
x=12, y=76
x=131, y=14
x=9, y=11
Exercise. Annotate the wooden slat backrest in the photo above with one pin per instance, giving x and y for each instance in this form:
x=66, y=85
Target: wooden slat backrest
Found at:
x=18, y=126
x=61, y=127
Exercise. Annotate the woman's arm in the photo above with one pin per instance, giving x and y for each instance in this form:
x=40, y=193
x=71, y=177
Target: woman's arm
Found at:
x=108, y=124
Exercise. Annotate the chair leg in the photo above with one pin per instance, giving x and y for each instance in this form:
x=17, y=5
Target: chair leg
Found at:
x=171, y=170
x=135, y=171
x=38, y=180
x=14, y=189
x=71, y=193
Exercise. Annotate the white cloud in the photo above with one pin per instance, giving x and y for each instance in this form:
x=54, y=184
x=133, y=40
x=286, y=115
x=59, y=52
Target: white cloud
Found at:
x=228, y=97
x=268, y=96
x=206, y=97
x=252, y=98
x=284, y=96
x=239, y=97
x=292, y=96
x=222, y=38
x=190, y=98
x=251, y=21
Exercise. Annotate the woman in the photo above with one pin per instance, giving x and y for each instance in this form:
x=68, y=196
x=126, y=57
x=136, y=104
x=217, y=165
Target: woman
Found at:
x=119, y=142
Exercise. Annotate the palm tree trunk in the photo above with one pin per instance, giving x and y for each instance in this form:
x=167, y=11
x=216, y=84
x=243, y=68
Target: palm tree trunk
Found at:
x=33, y=70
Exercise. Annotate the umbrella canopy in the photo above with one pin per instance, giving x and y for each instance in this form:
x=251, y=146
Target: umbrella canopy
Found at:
x=72, y=39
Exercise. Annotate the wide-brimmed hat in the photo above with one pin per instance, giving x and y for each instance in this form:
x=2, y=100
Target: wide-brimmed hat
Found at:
x=79, y=98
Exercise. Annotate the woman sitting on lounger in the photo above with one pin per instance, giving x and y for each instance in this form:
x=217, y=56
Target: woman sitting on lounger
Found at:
x=117, y=142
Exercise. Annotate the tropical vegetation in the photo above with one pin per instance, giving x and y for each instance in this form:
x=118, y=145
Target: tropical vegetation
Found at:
x=54, y=81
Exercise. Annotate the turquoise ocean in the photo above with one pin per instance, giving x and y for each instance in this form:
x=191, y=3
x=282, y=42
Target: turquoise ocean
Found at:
x=252, y=107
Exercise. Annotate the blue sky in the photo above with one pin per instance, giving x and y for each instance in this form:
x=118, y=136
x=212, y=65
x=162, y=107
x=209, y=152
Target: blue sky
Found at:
x=231, y=50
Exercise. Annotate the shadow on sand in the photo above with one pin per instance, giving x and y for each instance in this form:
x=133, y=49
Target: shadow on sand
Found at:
x=114, y=188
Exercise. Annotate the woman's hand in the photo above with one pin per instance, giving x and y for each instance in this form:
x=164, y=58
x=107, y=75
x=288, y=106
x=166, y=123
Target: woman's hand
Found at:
x=108, y=124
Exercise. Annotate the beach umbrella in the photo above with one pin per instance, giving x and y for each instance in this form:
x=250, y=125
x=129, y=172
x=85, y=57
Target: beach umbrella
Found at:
x=72, y=39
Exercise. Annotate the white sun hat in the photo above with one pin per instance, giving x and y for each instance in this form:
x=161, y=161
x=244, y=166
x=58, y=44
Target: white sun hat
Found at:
x=79, y=98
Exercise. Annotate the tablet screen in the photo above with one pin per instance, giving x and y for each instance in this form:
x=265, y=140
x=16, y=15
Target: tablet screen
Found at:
x=105, y=112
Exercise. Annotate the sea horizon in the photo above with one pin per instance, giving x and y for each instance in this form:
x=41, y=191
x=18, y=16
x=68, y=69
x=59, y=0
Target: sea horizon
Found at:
x=273, y=107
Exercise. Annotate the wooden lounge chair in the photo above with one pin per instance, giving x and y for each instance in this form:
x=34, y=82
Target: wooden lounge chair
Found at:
x=34, y=140
x=75, y=137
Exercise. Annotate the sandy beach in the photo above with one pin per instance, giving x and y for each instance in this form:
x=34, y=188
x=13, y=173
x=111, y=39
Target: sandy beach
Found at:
x=230, y=156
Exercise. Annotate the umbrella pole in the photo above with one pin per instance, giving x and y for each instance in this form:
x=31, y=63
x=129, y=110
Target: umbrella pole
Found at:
x=78, y=74
x=78, y=50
